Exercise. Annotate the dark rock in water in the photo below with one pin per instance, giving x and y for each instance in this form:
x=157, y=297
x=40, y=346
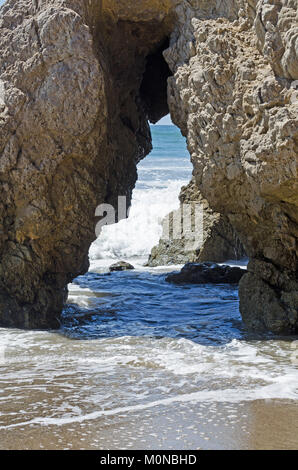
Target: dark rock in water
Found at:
x=205, y=273
x=121, y=266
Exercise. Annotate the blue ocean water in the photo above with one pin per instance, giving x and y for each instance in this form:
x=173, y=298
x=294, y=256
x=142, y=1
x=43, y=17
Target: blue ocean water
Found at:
x=141, y=302
x=168, y=162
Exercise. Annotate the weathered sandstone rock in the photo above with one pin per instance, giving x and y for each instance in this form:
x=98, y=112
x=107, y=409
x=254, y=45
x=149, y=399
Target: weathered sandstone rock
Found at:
x=233, y=95
x=74, y=105
x=207, y=273
x=79, y=81
x=218, y=241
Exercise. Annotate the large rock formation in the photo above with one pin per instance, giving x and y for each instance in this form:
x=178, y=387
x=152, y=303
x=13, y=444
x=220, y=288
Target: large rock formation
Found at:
x=75, y=98
x=213, y=239
x=78, y=82
x=235, y=64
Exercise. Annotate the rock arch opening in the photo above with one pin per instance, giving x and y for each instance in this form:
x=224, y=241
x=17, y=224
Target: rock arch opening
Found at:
x=160, y=178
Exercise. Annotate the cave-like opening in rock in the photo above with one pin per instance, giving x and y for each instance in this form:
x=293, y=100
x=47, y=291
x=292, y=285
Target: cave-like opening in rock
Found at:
x=151, y=73
x=141, y=107
x=153, y=90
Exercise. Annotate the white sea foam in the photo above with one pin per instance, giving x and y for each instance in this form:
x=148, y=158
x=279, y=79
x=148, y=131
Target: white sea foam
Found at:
x=127, y=375
x=136, y=236
x=180, y=369
x=79, y=296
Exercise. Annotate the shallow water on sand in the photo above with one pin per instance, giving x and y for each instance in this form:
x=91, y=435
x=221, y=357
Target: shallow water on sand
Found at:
x=139, y=363
x=142, y=364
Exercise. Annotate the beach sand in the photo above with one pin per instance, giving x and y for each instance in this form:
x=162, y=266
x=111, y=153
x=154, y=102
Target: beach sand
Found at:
x=261, y=424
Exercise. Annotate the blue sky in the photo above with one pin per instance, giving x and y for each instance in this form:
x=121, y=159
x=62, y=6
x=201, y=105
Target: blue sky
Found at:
x=166, y=121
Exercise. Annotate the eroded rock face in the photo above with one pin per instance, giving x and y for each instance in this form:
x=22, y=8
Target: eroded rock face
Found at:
x=73, y=126
x=212, y=239
x=232, y=94
x=75, y=98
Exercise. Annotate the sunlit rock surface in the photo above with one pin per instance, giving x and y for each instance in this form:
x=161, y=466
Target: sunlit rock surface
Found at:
x=74, y=104
x=233, y=95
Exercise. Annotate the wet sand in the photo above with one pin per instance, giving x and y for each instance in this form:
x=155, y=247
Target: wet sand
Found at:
x=260, y=424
